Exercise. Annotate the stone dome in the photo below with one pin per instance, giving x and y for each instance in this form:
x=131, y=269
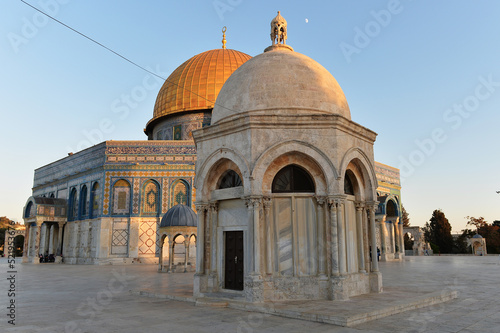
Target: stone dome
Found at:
x=179, y=216
x=195, y=84
x=280, y=81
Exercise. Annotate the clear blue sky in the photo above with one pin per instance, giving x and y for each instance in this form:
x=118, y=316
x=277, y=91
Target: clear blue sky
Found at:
x=424, y=75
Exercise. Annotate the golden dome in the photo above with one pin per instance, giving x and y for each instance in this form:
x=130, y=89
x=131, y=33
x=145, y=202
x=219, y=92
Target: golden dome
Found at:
x=195, y=84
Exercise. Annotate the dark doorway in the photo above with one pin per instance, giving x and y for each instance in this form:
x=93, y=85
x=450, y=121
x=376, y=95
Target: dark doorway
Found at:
x=233, y=278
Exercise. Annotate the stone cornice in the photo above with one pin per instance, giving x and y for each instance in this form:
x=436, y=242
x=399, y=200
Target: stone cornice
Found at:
x=247, y=120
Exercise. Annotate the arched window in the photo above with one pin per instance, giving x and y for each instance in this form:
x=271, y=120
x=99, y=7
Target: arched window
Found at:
x=83, y=202
x=292, y=178
x=121, y=197
x=29, y=207
x=150, y=198
x=230, y=179
x=348, y=187
x=391, y=209
x=94, y=201
x=52, y=195
x=73, y=205
x=180, y=194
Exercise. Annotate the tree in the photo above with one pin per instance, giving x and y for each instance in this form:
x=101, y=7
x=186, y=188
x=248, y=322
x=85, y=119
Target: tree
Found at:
x=404, y=217
x=438, y=232
x=478, y=223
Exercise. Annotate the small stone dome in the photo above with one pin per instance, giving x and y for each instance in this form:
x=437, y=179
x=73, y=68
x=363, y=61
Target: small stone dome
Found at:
x=477, y=236
x=179, y=216
x=280, y=81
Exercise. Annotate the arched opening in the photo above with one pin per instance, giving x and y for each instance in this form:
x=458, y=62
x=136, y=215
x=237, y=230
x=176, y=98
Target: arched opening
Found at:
x=83, y=202
x=151, y=198
x=179, y=250
x=164, y=253
x=348, y=186
x=94, y=200
x=294, y=215
x=229, y=179
x=409, y=241
x=18, y=244
x=180, y=194
x=391, y=209
x=293, y=179
x=73, y=205
x=121, y=197
x=352, y=220
x=192, y=251
x=28, y=212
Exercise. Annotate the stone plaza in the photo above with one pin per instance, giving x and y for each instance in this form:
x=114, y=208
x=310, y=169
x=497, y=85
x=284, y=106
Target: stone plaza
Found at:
x=112, y=298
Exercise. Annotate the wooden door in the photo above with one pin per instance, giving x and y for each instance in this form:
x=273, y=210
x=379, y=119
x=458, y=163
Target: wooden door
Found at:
x=233, y=277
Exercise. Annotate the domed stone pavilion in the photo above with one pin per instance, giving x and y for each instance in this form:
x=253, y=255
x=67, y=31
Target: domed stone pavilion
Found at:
x=286, y=185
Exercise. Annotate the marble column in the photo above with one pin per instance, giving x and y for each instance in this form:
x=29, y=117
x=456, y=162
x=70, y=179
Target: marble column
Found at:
x=170, y=254
x=383, y=238
x=26, y=246
x=341, y=237
x=257, y=236
x=160, y=257
x=50, y=247
x=359, y=233
x=401, y=238
x=249, y=240
x=373, y=235
x=213, y=236
x=200, y=242
x=186, y=252
x=269, y=243
x=333, y=235
x=366, y=239
x=38, y=231
x=321, y=236
x=59, y=239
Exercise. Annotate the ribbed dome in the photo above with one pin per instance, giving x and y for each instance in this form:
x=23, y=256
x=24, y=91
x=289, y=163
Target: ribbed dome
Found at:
x=279, y=82
x=195, y=84
x=179, y=216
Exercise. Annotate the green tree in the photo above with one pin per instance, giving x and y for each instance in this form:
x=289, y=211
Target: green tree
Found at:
x=405, y=217
x=438, y=232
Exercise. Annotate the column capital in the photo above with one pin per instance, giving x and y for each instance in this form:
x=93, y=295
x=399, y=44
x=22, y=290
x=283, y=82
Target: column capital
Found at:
x=371, y=206
x=252, y=201
x=61, y=224
x=213, y=205
x=266, y=201
x=321, y=199
x=201, y=206
x=336, y=199
x=359, y=205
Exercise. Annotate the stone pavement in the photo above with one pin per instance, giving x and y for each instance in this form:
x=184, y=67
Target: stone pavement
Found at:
x=65, y=298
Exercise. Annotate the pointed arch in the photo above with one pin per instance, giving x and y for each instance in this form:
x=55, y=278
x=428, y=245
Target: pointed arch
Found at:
x=83, y=202
x=73, y=205
x=121, y=197
x=95, y=195
x=150, y=198
x=180, y=193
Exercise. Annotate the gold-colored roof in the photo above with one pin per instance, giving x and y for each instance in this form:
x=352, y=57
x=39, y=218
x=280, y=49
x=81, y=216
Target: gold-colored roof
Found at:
x=195, y=84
